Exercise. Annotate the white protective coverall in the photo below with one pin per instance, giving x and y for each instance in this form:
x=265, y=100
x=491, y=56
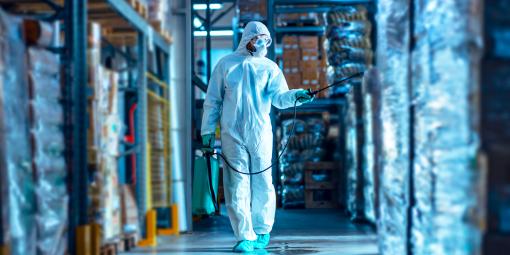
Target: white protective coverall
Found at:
x=241, y=91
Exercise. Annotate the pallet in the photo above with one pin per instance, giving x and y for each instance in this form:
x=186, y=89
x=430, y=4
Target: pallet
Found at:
x=328, y=168
x=125, y=243
x=129, y=241
x=109, y=249
x=312, y=201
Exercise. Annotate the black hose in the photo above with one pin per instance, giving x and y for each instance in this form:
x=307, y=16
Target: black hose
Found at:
x=312, y=93
x=279, y=156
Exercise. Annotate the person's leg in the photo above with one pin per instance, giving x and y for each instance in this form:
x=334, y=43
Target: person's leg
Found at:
x=263, y=192
x=237, y=189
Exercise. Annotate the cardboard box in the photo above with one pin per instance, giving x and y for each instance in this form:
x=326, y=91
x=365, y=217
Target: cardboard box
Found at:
x=309, y=42
x=129, y=209
x=291, y=66
x=290, y=42
x=291, y=55
x=291, y=63
x=310, y=65
x=321, y=175
x=310, y=77
x=308, y=54
x=293, y=80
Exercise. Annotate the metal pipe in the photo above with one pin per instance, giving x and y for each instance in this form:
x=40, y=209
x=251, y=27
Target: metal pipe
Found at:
x=208, y=38
x=181, y=100
x=76, y=114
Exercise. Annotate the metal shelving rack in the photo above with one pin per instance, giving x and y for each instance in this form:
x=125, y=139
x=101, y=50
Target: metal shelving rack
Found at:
x=74, y=16
x=337, y=106
x=149, y=41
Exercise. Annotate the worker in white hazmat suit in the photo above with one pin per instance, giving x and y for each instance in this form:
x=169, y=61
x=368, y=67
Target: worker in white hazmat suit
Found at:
x=242, y=88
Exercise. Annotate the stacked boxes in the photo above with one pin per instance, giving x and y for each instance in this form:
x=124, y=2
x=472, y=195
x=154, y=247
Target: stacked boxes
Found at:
x=348, y=46
x=104, y=136
x=47, y=116
x=301, y=64
x=17, y=189
x=305, y=146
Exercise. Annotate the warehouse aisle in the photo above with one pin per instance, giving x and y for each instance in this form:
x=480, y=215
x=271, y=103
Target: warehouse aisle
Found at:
x=308, y=231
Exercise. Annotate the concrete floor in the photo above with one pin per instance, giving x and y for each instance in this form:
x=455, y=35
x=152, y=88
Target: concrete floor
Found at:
x=311, y=231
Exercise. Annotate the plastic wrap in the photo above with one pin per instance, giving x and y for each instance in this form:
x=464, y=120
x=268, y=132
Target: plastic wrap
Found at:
x=293, y=196
x=346, y=54
x=346, y=13
x=15, y=144
x=305, y=146
x=368, y=160
x=445, y=68
x=351, y=157
x=392, y=61
x=348, y=45
x=48, y=150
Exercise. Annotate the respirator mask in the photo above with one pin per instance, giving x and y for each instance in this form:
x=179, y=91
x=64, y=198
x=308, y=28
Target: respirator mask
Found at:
x=260, y=44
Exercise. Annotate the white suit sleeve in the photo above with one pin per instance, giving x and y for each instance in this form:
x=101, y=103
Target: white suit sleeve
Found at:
x=213, y=102
x=281, y=96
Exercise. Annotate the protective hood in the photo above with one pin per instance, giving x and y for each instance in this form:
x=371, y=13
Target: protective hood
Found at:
x=252, y=29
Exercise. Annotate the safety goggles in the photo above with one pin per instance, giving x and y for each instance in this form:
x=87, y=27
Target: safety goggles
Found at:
x=267, y=39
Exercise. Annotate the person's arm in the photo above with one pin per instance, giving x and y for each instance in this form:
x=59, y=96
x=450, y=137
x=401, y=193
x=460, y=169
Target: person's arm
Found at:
x=213, y=102
x=281, y=96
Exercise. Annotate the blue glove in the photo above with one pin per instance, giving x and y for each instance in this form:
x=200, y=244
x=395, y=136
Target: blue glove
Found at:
x=208, y=143
x=304, y=96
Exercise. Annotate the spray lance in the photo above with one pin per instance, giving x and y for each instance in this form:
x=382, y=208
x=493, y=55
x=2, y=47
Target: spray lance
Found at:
x=311, y=93
x=208, y=154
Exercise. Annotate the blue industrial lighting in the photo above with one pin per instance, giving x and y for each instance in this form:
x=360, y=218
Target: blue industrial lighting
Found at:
x=214, y=33
x=197, y=23
x=204, y=6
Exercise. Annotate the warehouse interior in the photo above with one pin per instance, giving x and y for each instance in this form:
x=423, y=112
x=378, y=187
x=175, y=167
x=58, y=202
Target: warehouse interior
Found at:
x=402, y=150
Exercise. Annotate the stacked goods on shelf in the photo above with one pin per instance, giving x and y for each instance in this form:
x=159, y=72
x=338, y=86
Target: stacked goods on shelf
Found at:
x=129, y=212
x=47, y=118
x=348, y=50
x=158, y=140
x=104, y=137
x=159, y=16
x=305, y=146
x=394, y=158
x=291, y=60
x=301, y=64
x=445, y=83
x=348, y=45
x=250, y=10
x=17, y=189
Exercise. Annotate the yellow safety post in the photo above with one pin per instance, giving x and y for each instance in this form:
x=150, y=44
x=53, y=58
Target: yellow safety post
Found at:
x=174, y=230
x=83, y=240
x=95, y=237
x=150, y=232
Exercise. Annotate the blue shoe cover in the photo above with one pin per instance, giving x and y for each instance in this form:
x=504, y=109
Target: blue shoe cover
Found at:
x=244, y=246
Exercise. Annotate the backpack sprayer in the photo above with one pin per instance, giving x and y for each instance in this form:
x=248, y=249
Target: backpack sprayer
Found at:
x=208, y=155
